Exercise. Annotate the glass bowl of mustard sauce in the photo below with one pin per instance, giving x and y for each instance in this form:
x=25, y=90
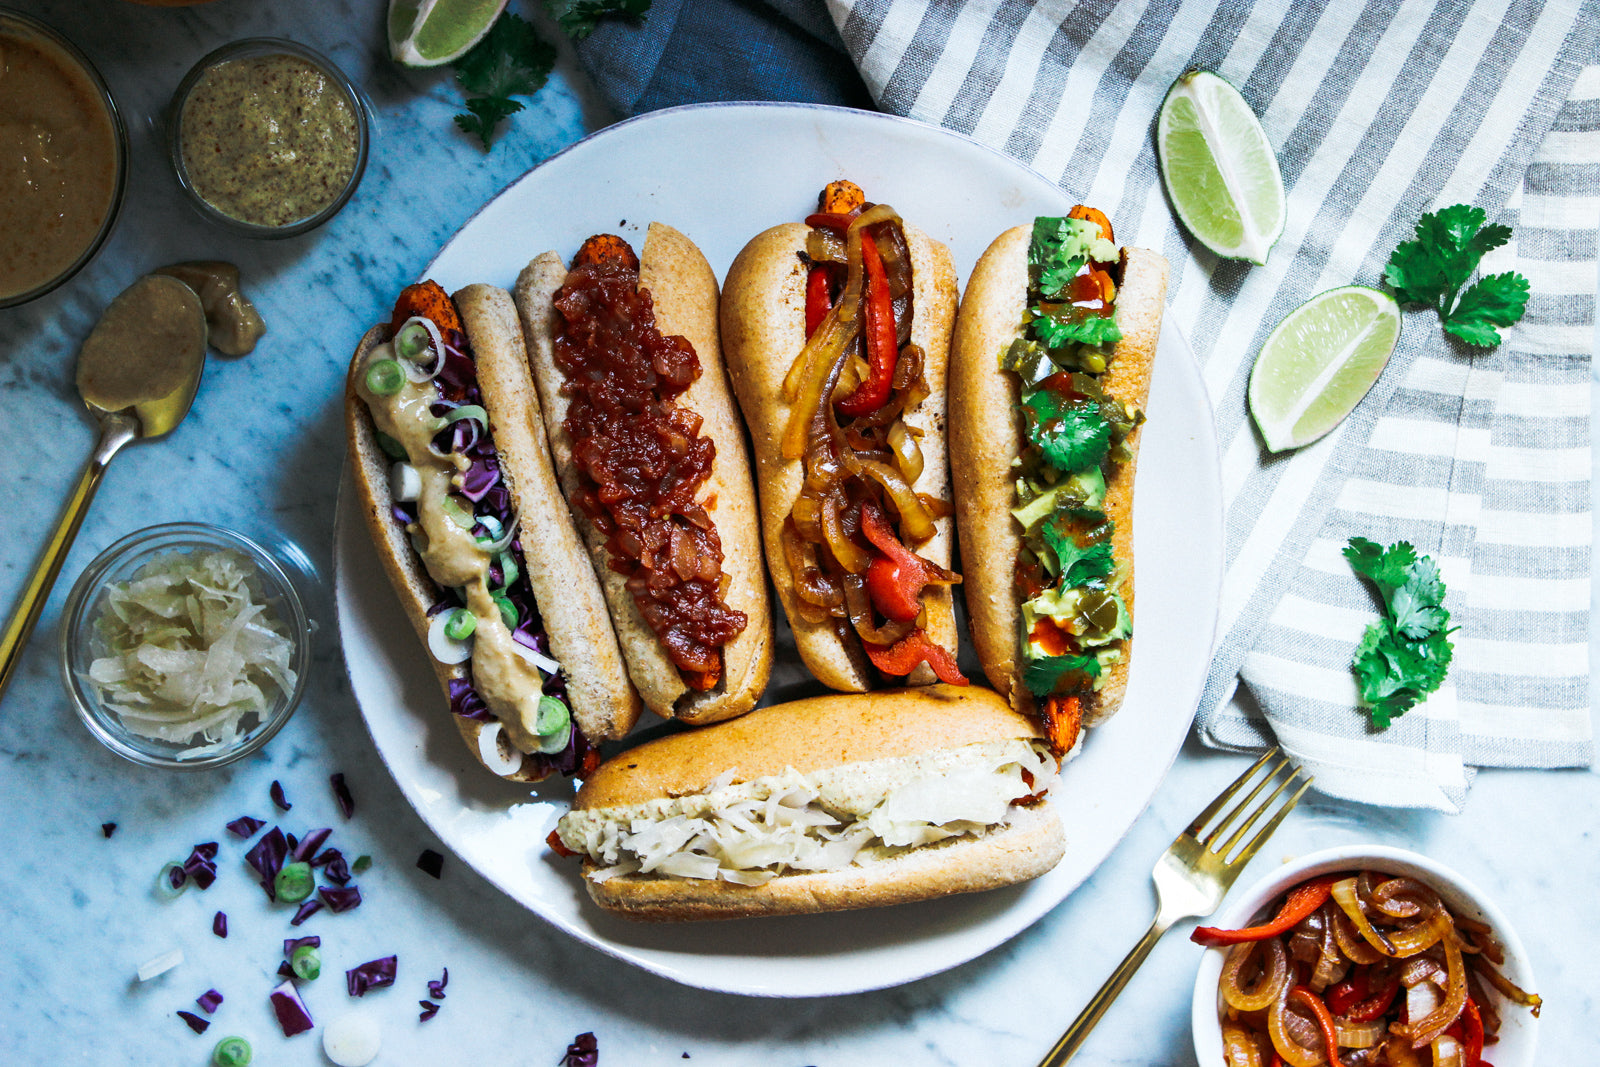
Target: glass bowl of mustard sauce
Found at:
x=268, y=138
x=63, y=159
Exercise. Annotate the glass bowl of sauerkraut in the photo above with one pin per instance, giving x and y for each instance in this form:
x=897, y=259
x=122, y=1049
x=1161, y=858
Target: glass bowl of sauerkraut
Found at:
x=185, y=646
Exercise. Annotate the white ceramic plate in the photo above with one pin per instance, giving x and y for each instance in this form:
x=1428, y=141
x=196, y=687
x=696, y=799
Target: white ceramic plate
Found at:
x=722, y=173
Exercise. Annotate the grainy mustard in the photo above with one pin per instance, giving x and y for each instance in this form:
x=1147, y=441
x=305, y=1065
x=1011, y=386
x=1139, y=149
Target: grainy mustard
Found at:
x=269, y=140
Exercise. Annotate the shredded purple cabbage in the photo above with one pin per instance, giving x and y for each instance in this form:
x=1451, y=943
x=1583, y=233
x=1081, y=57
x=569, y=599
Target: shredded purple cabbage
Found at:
x=308, y=845
x=108, y=828
x=267, y=856
x=341, y=899
x=436, y=989
x=337, y=870
x=176, y=876
x=208, y=1001
x=290, y=1010
x=197, y=1024
x=200, y=866
x=245, y=827
x=482, y=476
x=219, y=925
x=583, y=1052
x=305, y=911
x=276, y=792
x=429, y=1010
x=341, y=794
x=404, y=514
x=374, y=974
x=286, y=971
x=430, y=862
x=465, y=701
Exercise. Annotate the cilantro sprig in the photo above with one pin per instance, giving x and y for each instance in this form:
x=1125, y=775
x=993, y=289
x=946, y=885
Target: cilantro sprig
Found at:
x=511, y=60
x=1404, y=656
x=1433, y=268
x=1072, y=434
x=579, y=18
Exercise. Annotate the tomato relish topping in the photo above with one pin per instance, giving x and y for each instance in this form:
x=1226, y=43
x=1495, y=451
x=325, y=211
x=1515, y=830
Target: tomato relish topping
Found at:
x=643, y=460
x=850, y=537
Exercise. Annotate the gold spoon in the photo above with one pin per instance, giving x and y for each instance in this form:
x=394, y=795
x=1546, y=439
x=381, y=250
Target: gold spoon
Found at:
x=137, y=373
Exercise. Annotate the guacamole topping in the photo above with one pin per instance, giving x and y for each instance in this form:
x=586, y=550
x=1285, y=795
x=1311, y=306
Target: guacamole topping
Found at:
x=1074, y=615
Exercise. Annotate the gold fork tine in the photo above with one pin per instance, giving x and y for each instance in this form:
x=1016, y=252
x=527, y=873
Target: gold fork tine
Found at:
x=1226, y=795
x=1256, y=812
x=1272, y=824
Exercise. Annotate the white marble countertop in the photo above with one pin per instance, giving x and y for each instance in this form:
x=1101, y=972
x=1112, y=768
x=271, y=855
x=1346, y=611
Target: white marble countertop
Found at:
x=261, y=452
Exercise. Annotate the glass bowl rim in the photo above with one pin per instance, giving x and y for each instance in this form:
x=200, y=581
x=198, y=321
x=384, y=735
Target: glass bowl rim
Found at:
x=264, y=46
x=140, y=545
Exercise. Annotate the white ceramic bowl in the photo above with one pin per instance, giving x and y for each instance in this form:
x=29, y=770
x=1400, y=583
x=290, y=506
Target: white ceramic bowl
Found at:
x=1519, y=1030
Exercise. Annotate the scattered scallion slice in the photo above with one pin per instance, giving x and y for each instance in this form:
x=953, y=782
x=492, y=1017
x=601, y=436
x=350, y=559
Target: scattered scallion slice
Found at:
x=444, y=648
x=172, y=881
x=293, y=882
x=391, y=448
x=385, y=377
x=509, y=569
x=413, y=340
x=457, y=514
x=161, y=964
x=508, y=611
x=232, y=1052
x=306, y=962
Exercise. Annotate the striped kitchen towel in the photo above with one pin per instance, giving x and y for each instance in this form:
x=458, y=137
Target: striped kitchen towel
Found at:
x=1379, y=112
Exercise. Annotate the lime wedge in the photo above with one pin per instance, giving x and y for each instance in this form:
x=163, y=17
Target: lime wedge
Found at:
x=426, y=33
x=1218, y=167
x=1319, y=362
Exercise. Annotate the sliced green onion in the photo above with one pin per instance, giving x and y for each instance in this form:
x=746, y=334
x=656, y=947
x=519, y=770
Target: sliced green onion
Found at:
x=232, y=1052
x=391, y=448
x=508, y=611
x=412, y=342
x=491, y=524
x=509, y=569
x=553, y=723
x=457, y=514
x=306, y=962
x=293, y=882
x=467, y=411
x=502, y=535
x=460, y=625
x=385, y=377
x=361, y=864
x=164, y=889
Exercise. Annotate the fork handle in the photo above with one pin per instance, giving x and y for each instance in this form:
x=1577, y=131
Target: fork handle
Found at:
x=1078, y=1032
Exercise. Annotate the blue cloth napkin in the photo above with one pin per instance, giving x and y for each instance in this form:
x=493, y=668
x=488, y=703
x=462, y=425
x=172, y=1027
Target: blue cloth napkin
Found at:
x=696, y=51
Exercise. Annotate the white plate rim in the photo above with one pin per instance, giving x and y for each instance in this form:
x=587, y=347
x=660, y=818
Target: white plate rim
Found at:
x=995, y=917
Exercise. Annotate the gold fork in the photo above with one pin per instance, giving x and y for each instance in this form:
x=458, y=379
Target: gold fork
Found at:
x=1191, y=879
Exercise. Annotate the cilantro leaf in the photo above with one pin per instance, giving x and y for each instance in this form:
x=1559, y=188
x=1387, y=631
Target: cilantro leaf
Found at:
x=1081, y=542
x=1042, y=676
x=484, y=113
x=1433, y=269
x=1498, y=300
x=1072, y=434
x=579, y=18
x=511, y=60
x=1404, y=656
x=1090, y=330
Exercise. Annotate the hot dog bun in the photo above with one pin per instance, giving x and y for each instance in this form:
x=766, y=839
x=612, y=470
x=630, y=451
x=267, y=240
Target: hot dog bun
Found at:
x=879, y=749
x=684, y=291
x=602, y=701
x=763, y=331
x=986, y=441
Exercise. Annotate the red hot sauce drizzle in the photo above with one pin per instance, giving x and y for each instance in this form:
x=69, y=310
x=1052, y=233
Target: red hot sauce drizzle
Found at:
x=643, y=461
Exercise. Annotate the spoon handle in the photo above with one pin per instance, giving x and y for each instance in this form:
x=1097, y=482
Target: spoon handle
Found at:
x=116, y=430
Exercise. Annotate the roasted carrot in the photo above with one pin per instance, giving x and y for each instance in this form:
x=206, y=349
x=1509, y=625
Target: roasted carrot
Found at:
x=425, y=300
x=606, y=249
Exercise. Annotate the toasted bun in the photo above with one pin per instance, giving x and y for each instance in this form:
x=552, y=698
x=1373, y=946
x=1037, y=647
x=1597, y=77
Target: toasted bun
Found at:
x=563, y=583
x=810, y=735
x=988, y=436
x=684, y=291
x=763, y=330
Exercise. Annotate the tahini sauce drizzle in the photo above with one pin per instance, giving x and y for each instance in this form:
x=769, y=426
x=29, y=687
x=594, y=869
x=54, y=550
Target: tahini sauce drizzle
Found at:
x=509, y=683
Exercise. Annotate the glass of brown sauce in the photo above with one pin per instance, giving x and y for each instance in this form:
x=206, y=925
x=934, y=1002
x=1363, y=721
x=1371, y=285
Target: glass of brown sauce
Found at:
x=268, y=138
x=63, y=159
